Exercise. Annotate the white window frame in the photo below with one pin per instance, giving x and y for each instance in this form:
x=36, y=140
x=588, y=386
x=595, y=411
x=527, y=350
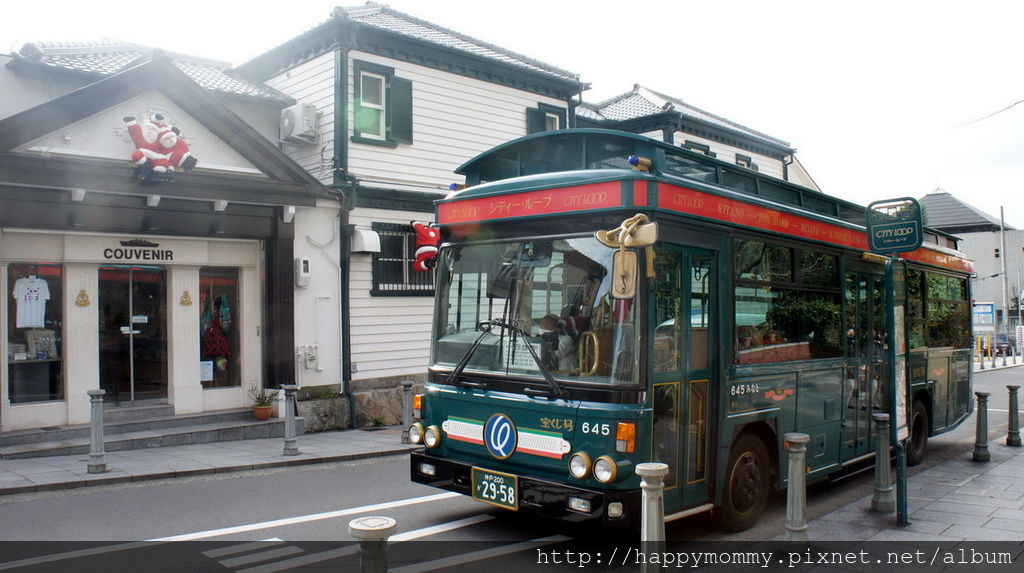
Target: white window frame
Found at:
x=381, y=107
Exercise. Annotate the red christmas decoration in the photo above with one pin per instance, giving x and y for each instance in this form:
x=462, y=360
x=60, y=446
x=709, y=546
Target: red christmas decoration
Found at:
x=159, y=149
x=427, y=239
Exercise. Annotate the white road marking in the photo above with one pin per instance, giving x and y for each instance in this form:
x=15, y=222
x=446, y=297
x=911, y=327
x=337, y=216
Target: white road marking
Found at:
x=435, y=529
x=307, y=518
x=269, y=555
x=243, y=547
x=344, y=551
x=74, y=554
x=480, y=555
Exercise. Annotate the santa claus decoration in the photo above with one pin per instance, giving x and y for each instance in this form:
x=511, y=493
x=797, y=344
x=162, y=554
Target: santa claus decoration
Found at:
x=159, y=149
x=427, y=239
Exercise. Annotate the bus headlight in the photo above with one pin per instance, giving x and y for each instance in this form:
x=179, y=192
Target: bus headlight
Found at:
x=432, y=437
x=416, y=433
x=579, y=465
x=605, y=470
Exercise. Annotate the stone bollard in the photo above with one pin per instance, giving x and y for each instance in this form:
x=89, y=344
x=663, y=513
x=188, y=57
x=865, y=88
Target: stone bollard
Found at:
x=652, y=509
x=796, y=492
x=883, y=501
x=97, y=457
x=1013, y=434
x=981, y=453
x=373, y=532
x=406, y=409
x=291, y=447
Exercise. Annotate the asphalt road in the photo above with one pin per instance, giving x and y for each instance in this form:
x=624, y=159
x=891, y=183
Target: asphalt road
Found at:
x=316, y=503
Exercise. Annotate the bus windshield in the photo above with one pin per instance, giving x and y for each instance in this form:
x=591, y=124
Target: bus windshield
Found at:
x=548, y=294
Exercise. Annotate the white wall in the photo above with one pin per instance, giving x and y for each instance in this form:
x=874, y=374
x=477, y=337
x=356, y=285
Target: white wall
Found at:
x=317, y=311
x=312, y=82
x=390, y=334
x=455, y=118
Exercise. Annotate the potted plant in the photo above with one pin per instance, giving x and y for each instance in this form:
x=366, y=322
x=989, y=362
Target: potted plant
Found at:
x=262, y=401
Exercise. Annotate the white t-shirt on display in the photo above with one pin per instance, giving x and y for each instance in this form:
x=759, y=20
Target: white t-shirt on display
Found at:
x=31, y=293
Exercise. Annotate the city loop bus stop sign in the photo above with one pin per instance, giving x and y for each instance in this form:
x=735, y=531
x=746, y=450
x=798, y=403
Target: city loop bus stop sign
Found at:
x=895, y=225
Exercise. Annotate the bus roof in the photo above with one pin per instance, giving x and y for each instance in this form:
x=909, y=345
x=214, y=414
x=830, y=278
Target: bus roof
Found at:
x=571, y=171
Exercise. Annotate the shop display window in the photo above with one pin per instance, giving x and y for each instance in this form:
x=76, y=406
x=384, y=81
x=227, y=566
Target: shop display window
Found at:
x=35, y=320
x=218, y=327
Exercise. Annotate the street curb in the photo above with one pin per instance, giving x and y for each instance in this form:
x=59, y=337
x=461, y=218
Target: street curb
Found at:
x=120, y=479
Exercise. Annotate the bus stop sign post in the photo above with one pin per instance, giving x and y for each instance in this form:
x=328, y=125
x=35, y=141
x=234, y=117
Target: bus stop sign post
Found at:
x=895, y=226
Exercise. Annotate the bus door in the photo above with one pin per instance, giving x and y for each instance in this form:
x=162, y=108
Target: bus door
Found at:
x=682, y=358
x=864, y=388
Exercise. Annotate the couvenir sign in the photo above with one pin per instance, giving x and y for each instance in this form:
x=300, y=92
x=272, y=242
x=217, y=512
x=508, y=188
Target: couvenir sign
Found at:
x=152, y=251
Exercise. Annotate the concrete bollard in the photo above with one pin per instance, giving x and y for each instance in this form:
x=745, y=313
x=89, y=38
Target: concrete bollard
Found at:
x=884, y=500
x=652, y=509
x=373, y=532
x=406, y=409
x=1013, y=433
x=981, y=453
x=291, y=447
x=97, y=457
x=796, y=492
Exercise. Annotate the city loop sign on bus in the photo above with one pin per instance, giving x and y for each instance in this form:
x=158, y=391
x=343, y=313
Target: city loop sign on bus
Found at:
x=895, y=225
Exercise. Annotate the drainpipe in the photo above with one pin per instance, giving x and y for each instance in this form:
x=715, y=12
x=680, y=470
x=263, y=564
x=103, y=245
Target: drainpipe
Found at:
x=785, y=167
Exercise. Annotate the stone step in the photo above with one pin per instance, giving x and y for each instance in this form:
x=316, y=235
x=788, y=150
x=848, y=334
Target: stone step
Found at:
x=175, y=436
x=115, y=427
x=112, y=413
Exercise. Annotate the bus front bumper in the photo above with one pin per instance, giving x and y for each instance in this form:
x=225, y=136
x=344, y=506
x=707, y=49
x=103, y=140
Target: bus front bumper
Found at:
x=536, y=495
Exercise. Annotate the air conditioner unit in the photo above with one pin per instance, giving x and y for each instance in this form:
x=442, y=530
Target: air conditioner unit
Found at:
x=299, y=123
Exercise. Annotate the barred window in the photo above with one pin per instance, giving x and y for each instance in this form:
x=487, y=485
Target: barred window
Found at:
x=393, y=274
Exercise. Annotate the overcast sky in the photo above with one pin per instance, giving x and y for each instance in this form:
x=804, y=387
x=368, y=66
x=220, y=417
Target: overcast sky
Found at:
x=881, y=99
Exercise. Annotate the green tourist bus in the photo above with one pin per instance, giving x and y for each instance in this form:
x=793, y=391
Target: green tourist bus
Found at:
x=604, y=299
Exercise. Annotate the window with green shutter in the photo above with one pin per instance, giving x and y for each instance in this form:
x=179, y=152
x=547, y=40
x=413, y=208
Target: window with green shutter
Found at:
x=382, y=106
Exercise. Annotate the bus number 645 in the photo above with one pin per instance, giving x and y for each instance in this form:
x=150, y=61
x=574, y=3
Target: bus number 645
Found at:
x=596, y=429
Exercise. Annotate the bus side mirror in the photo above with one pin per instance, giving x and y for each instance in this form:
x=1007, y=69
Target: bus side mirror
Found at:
x=624, y=267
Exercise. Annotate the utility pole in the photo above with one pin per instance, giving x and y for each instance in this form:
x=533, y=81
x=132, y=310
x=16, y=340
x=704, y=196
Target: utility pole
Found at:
x=1002, y=264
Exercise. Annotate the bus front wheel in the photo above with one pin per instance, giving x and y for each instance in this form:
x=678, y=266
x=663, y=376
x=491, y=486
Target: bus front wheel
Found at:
x=747, y=485
x=918, y=434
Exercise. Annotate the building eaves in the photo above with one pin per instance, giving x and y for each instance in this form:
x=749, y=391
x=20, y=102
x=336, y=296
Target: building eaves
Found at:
x=106, y=58
x=944, y=211
x=641, y=102
x=387, y=19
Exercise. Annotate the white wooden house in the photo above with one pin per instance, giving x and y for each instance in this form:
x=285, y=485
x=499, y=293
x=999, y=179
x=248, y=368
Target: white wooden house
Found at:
x=393, y=104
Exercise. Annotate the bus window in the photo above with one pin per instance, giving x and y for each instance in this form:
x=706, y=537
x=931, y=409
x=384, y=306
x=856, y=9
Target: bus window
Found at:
x=554, y=297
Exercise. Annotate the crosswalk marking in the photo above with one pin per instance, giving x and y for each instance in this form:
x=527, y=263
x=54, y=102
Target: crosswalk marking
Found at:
x=268, y=555
x=480, y=555
x=243, y=548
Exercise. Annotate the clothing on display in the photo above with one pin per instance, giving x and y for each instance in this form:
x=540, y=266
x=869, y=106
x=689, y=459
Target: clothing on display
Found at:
x=31, y=294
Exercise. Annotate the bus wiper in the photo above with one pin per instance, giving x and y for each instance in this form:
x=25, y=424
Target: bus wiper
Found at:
x=453, y=378
x=556, y=389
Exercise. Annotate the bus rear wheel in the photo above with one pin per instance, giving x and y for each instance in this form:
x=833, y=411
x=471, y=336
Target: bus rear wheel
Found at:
x=918, y=434
x=747, y=484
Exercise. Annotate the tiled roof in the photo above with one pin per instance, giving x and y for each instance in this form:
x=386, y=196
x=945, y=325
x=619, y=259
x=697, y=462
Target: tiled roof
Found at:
x=642, y=102
x=385, y=18
x=945, y=212
x=110, y=57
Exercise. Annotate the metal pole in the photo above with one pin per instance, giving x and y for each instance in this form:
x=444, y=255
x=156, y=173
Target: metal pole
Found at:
x=981, y=453
x=980, y=348
x=1013, y=434
x=406, y=409
x=291, y=447
x=883, y=501
x=1002, y=271
x=97, y=457
x=796, y=492
x=373, y=532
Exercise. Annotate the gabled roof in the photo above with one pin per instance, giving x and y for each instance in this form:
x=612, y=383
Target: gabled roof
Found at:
x=385, y=18
x=945, y=212
x=378, y=29
x=287, y=182
x=642, y=102
x=101, y=59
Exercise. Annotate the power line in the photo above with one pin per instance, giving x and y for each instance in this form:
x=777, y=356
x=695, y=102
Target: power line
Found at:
x=991, y=114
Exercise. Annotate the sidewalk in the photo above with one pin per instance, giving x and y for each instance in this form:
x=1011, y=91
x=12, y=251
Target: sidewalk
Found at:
x=955, y=500
x=66, y=472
